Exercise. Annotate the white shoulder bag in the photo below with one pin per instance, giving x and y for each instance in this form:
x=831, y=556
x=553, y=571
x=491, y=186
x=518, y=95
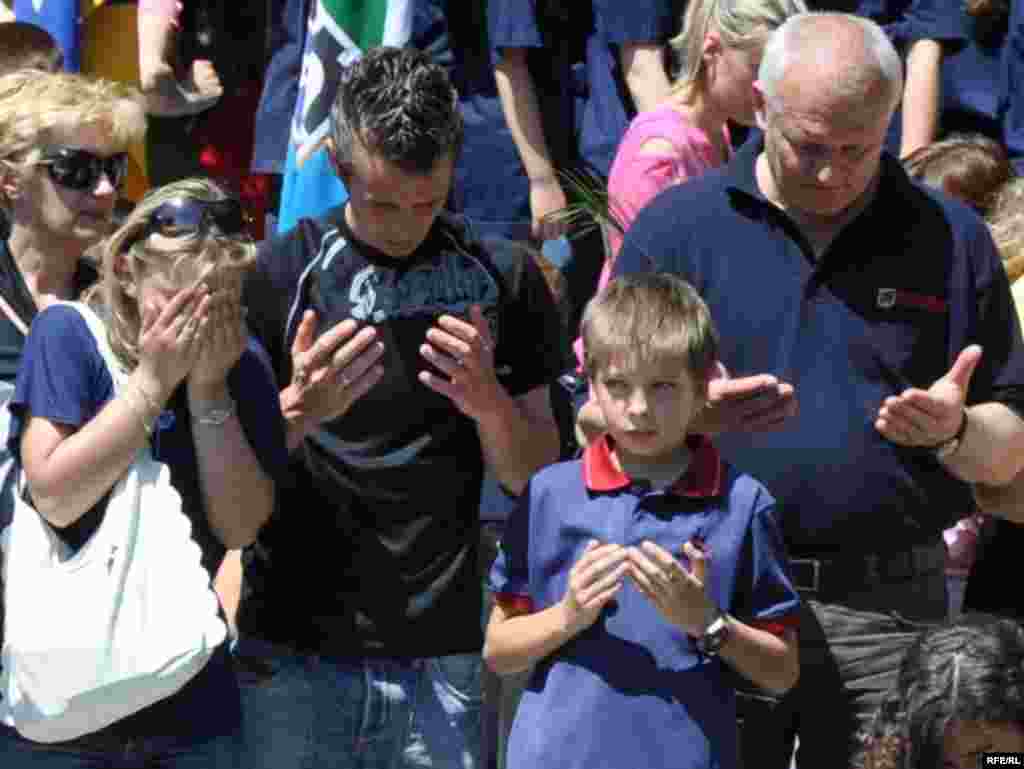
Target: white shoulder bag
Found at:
x=126, y=621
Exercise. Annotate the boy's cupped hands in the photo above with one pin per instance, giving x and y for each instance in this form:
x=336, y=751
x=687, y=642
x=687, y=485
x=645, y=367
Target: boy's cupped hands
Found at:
x=677, y=592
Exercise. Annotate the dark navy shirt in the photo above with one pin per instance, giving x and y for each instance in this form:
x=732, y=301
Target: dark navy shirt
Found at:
x=632, y=690
x=1011, y=96
x=970, y=78
x=399, y=474
x=898, y=294
x=490, y=185
x=574, y=63
x=64, y=379
x=286, y=22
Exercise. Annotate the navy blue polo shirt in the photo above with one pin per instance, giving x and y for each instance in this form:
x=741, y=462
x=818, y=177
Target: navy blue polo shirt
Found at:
x=1011, y=99
x=553, y=35
x=898, y=294
x=608, y=107
x=970, y=79
x=489, y=184
x=286, y=28
x=574, y=61
x=632, y=690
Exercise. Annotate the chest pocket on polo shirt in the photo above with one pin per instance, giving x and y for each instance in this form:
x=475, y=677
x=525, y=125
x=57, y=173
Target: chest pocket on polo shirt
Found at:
x=908, y=337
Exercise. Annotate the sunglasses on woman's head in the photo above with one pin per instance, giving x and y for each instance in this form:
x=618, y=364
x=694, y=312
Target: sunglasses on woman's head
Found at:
x=183, y=216
x=82, y=170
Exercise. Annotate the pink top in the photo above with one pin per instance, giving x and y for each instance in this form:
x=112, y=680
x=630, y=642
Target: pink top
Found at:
x=636, y=178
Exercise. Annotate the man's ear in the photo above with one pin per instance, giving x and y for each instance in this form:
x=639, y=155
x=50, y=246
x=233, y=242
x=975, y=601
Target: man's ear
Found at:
x=343, y=170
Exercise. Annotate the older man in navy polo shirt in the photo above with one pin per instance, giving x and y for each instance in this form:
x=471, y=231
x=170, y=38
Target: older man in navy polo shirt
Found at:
x=887, y=308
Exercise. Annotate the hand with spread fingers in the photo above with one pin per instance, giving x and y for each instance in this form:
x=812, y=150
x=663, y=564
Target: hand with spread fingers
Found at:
x=927, y=418
x=593, y=582
x=223, y=344
x=330, y=374
x=464, y=352
x=170, y=341
x=747, y=404
x=679, y=594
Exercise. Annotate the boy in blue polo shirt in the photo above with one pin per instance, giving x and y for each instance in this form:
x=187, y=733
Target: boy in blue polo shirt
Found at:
x=635, y=577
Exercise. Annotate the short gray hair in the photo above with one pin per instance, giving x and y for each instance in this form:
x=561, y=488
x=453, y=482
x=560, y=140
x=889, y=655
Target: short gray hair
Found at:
x=797, y=37
x=400, y=106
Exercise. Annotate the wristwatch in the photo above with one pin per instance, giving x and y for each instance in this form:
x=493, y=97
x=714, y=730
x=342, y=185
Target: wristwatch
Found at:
x=949, y=447
x=715, y=635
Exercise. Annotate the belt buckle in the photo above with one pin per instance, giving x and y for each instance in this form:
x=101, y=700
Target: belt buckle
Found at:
x=813, y=567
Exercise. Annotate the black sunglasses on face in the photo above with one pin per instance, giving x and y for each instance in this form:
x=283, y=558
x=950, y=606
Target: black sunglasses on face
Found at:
x=82, y=170
x=183, y=216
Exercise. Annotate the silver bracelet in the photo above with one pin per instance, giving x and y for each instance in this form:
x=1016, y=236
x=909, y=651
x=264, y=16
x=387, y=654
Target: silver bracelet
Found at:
x=216, y=416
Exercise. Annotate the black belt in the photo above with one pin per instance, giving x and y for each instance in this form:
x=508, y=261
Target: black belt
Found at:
x=830, y=573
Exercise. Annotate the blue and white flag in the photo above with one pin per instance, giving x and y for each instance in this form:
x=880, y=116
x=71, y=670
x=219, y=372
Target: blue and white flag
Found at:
x=338, y=33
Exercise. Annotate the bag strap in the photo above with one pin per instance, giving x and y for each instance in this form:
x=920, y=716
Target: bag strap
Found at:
x=13, y=317
x=99, y=332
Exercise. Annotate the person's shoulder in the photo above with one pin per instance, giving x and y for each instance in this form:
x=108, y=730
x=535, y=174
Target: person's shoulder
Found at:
x=284, y=257
x=59, y=319
x=557, y=480
x=743, y=493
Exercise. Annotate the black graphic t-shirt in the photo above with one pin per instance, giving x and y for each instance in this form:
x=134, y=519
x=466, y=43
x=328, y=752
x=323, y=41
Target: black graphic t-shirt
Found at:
x=393, y=532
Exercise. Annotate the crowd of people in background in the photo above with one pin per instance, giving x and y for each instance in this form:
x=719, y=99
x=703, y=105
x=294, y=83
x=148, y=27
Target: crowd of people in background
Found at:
x=645, y=388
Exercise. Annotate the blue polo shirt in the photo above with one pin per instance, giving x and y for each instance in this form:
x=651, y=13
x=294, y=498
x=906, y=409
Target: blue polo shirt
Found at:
x=574, y=61
x=898, y=294
x=632, y=690
x=1011, y=99
x=489, y=184
x=608, y=107
x=970, y=79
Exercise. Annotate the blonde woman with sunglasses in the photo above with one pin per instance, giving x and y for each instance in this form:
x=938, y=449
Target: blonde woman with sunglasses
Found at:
x=200, y=393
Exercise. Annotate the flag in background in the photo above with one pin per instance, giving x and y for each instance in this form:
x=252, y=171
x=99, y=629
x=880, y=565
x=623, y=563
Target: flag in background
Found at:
x=58, y=17
x=338, y=33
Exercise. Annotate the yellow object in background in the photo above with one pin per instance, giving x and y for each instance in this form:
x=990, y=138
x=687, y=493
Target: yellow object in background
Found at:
x=110, y=49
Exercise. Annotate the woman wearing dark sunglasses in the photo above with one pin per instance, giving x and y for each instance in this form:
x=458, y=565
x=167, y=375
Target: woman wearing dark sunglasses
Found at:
x=62, y=144
x=202, y=394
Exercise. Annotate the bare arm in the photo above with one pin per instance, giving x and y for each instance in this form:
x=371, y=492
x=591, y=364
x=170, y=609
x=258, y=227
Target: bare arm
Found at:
x=519, y=437
x=522, y=114
x=921, y=95
x=770, y=661
x=643, y=68
x=164, y=93
x=992, y=449
x=68, y=470
x=238, y=493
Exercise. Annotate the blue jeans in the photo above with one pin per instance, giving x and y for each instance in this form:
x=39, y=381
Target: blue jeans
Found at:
x=311, y=712
x=144, y=753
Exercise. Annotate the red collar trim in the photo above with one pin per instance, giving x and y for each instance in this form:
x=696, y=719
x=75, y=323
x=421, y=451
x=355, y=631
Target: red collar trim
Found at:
x=702, y=479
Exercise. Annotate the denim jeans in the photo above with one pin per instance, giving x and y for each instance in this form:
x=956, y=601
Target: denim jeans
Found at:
x=312, y=712
x=145, y=753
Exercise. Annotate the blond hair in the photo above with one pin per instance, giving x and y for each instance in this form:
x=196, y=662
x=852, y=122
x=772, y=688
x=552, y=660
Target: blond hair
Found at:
x=1006, y=221
x=220, y=261
x=740, y=24
x=649, y=317
x=36, y=107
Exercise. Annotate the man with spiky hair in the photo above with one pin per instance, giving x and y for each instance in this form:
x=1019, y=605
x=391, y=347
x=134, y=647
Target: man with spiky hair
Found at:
x=416, y=353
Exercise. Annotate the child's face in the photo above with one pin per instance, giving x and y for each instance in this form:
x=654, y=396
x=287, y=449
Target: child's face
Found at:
x=648, y=405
